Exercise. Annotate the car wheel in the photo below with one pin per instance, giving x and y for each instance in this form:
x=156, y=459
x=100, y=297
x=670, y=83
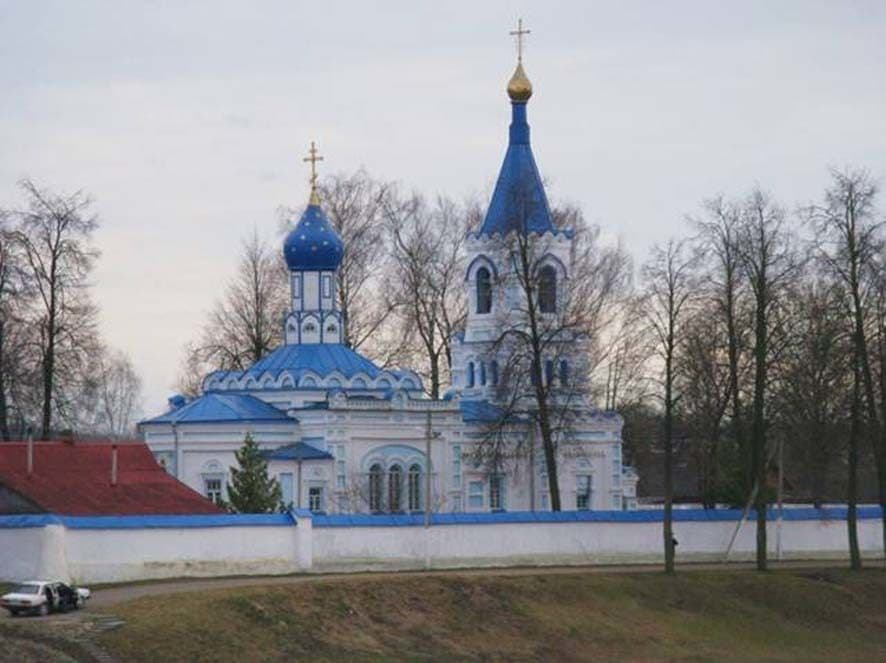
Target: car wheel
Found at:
x=43, y=610
x=14, y=613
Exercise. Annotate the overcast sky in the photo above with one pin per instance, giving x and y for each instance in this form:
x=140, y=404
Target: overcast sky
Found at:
x=187, y=121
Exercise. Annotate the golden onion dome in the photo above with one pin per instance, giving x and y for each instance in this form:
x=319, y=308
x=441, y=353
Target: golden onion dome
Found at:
x=519, y=87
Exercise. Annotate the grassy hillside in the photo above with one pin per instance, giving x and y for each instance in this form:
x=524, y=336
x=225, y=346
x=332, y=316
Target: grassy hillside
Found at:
x=698, y=616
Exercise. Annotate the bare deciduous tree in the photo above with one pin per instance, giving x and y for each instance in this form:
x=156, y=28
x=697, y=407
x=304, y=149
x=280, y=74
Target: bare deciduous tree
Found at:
x=426, y=277
x=850, y=241
x=703, y=380
x=16, y=297
x=247, y=323
x=670, y=288
x=769, y=263
x=354, y=204
x=55, y=234
x=119, y=394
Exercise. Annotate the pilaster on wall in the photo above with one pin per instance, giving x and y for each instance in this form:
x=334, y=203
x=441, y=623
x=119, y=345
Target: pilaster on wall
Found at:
x=53, y=563
x=304, y=539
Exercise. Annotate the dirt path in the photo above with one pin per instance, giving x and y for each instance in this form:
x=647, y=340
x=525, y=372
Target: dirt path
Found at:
x=109, y=596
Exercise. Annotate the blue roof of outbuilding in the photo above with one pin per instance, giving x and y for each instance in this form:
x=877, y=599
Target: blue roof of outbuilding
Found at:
x=297, y=451
x=319, y=358
x=313, y=244
x=214, y=407
x=519, y=201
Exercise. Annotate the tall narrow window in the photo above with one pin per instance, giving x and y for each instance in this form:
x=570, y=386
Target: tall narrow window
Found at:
x=376, y=478
x=395, y=488
x=315, y=498
x=549, y=372
x=484, y=290
x=496, y=490
x=583, y=492
x=340, y=467
x=212, y=488
x=564, y=372
x=456, y=466
x=285, y=481
x=482, y=374
x=470, y=374
x=493, y=370
x=547, y=289
x=414, y=489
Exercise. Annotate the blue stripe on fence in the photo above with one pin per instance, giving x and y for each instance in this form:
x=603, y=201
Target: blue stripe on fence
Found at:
x=642, y=516
x=415, y=519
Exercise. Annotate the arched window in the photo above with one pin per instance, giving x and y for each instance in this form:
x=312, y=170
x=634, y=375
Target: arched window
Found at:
x=564, y=372
x=547, y=289
x=482, y=374
x=484, y=290
x=376, y=478
x=414, y=488
x=470, y=374
x=549, y=372
x=493, y=370
x=395, y=488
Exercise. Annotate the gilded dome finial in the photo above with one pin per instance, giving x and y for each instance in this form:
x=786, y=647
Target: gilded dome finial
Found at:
x=313, y=157
x=519, y=87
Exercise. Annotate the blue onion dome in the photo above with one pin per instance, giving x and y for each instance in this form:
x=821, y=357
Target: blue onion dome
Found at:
x=313, y=244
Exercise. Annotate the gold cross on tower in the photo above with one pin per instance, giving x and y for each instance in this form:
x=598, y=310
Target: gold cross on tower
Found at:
x=518, y=33
x=313, y=157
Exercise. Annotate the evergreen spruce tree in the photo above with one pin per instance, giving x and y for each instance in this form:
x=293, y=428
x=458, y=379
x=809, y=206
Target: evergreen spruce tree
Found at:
x=251, y=490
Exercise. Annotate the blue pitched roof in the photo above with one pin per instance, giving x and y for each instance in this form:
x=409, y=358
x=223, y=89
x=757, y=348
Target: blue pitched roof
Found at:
x=519, y=201
x=297, y=451
x=313, y=244
x=482, y=412
x=320, y=358
x=214, y=407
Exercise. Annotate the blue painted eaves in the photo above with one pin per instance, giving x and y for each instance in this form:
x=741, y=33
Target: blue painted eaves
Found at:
x=483, y=412
x=297, y=451
x=216, y=407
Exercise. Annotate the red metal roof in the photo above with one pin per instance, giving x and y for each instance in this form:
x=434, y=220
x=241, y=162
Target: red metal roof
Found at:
x=74, y=478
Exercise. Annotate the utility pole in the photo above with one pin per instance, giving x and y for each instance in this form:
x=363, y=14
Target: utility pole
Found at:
x=428, y=470
x=532, y=466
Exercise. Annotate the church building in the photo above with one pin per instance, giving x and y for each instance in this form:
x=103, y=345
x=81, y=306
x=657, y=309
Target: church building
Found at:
x=342, y=435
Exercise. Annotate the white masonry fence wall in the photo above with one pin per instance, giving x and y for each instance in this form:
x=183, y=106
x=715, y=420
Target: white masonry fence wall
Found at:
x=126, y=548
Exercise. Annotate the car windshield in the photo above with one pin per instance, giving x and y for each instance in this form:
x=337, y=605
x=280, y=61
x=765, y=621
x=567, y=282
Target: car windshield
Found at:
x=27, y=588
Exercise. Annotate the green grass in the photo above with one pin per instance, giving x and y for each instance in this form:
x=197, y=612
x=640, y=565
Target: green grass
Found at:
x=697, y=616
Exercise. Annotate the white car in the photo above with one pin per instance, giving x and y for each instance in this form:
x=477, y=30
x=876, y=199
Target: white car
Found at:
x=44, y=596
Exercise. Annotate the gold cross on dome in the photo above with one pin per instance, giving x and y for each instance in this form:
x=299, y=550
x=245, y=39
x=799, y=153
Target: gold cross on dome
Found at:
x=518, y=33
x=313, y=157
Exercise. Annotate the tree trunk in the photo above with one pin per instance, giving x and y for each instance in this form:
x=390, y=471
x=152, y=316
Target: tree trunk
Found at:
x=758, y=433
x=4, y=409
x=48, y=377
x=668, y=532
x=852, y=497
x=435, y=375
